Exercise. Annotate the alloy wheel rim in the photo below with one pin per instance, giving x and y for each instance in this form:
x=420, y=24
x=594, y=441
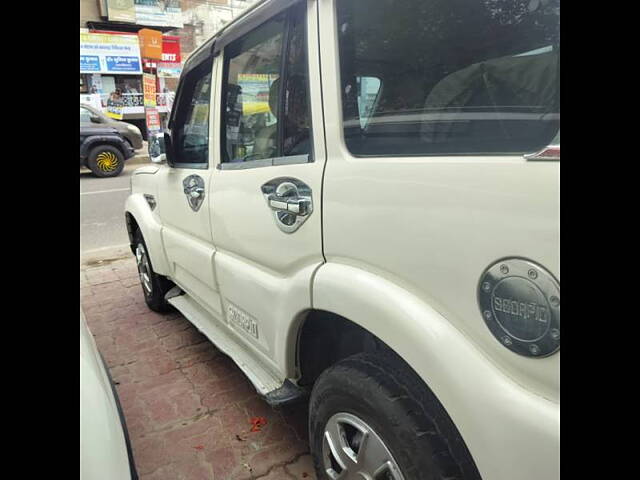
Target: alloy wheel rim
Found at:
x=352, y=450
x=144, y=270
x=107, y=161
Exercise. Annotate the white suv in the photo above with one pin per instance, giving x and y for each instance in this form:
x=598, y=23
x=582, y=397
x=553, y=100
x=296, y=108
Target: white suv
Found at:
x=360, y=203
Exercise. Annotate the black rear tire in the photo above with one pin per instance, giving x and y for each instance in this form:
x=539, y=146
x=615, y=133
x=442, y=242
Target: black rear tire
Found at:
x=105, y=161
x=155, y=286
x=383, y=392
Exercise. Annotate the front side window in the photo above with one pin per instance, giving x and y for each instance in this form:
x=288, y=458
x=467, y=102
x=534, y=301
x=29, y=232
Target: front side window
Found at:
x=263, y=116
x=461, y=77
x=190, y=129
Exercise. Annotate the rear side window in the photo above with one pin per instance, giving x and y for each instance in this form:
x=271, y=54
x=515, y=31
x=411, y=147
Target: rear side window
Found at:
x=455, y=77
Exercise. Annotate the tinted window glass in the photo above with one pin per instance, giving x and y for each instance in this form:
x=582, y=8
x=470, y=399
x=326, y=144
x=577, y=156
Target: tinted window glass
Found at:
x=191, y=128
x=253, y=65
x=265, y=118
x=456, y=76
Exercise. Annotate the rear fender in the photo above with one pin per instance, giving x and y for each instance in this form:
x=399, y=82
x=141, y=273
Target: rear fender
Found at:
x=488, y=407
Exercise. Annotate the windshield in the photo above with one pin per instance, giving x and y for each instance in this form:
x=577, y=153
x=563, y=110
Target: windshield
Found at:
x=449, y=77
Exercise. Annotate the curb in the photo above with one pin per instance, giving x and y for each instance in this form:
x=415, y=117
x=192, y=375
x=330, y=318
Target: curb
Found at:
x=138, y=159
x=104, y=256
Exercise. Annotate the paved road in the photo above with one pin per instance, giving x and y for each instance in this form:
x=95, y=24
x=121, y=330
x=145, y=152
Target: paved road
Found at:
x=102, y=210
x=188, y=407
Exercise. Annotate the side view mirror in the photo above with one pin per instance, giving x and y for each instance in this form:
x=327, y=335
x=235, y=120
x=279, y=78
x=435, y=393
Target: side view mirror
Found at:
x=156, y=148
x=95, y=119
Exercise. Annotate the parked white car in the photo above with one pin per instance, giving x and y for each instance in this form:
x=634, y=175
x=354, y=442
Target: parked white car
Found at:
x=359, y=201
x=105, y=453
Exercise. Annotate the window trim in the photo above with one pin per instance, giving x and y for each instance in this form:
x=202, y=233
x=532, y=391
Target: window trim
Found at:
x=266, y=162
x=225, y=163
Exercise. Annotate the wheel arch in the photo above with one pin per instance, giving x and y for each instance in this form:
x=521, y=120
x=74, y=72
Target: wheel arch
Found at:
x=138, y=216
x=93, y=142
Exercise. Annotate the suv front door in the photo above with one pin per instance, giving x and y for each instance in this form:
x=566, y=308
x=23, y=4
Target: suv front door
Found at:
x=184, y=190
x=266, y=198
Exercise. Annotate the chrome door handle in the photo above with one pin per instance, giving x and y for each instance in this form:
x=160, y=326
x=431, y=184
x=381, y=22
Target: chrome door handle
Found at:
x=194, y=192
x=297, y=206
x=193, y=188
x=290, y=200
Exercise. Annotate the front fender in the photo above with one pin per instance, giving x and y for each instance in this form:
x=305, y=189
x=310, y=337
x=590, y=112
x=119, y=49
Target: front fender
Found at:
x=512, y=433
x=151, y=228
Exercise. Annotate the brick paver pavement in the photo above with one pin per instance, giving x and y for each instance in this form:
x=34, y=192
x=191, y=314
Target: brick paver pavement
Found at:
x=187, y=406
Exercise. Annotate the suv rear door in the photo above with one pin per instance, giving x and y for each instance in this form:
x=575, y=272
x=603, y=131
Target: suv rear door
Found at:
x=266, y=192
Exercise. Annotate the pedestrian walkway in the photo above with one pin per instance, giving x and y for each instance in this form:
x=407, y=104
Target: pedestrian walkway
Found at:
x=189, y=409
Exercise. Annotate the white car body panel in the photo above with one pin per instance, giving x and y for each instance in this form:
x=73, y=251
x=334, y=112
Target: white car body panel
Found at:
x=103, y=450
x=421, y=232
x=395, y=244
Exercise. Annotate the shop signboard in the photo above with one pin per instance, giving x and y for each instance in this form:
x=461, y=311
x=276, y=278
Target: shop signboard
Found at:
x=149, y=88
x=153, y=119
x=115, y=109
x=150, y=43
x=169, y=70
x=170, y=65
x=104, y=53
x=122, y=11
x=160, y=13
x=171, y=49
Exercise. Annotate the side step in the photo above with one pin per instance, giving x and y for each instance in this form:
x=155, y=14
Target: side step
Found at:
x=287, y=394
x=174, y=292
x=264, y=379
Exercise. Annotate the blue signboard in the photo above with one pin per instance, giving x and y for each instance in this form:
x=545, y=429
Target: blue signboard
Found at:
x=122, y=64
x=89, y=63
x=104, y=53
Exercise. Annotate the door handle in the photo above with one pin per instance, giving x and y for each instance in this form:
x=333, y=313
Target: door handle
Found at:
x=193, y=188
x=290, y=200
x=194, y=192
x=296, y=206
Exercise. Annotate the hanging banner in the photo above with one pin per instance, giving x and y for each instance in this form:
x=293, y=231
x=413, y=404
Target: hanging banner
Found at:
x=122, y=11
x=153, y=119
x=103, y=53
x=149, y=88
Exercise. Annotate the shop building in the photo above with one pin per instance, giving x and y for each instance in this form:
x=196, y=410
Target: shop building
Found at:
x=183, y=26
